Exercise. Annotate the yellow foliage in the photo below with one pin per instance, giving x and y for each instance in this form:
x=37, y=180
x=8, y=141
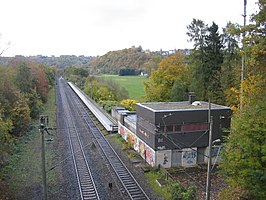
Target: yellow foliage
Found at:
x=161, y=81
x=253, y=86
x=129, y=104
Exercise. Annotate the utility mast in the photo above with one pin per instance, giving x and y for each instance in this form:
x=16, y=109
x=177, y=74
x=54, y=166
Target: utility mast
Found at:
x=243, y=66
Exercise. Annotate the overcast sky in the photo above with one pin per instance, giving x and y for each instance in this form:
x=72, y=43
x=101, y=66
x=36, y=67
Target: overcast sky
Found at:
x=94, y=27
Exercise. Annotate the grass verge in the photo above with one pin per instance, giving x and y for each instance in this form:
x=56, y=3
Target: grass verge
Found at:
x=163, y=191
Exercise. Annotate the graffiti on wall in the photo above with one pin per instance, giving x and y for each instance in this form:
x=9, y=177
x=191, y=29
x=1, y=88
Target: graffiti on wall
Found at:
x=122, y=131
x=142, y=148
x=215, y=154
x=147, y=153
x=164, y=158
x=189, y=157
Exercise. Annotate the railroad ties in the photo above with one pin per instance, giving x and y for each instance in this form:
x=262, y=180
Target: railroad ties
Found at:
x=85, y=180
x=129, y=183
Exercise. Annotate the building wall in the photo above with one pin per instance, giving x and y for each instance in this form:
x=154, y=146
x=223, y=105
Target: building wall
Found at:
x=145, y=131
x=164, y=158
x=186, y=157
x=183, y=147
x=180, y=129
x=146, y=152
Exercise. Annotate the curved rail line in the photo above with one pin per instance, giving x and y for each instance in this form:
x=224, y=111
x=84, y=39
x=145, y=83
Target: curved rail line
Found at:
x=86, y=183
x=128, y=181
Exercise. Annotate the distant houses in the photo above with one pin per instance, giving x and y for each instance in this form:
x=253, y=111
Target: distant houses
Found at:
x=169, y=52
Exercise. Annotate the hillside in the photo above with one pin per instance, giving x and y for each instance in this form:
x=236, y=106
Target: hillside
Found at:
x=113, y=61
x=60, y=62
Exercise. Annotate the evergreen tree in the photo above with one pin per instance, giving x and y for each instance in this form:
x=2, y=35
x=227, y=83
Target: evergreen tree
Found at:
x=206, y=60
x=211, y=71
x=197, y=31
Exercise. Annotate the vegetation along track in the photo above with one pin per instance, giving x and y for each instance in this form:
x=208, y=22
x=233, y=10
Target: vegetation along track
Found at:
x=85, y=180
x=129, y=183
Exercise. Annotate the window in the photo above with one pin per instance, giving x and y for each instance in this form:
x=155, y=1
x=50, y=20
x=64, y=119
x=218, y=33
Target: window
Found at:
x=194, y=127
x=177, y=128
x=170, y=128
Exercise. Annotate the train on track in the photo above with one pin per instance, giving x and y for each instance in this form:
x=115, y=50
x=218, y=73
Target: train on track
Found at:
x=108, y=123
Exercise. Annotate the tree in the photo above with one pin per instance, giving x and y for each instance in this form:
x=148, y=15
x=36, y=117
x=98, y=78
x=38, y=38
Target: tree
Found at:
x=20, y=116
x=23, y=78
x=5, y=138
x=211, y=72
x=161, y=82
x=230, y=72
x=101, y=89
x=180, y=88
x=244, y=156
x=152, y=64
x=39, y=81
x=232, y=59
x=206, y=60
x=129, y=104
x=50, y=74
x=197, y=31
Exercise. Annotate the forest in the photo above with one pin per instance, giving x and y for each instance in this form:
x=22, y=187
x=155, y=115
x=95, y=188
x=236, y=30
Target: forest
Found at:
x=24, y=88
x=134, y=58
x=59, y=62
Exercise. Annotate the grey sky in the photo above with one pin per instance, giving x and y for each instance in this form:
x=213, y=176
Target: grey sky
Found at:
x=94, y=27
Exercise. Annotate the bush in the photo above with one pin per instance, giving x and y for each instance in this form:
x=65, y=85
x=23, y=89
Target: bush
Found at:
x=179, y=192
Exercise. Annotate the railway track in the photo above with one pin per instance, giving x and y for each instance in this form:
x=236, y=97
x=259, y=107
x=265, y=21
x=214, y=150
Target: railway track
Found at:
x=129, y=183
x=84, y=176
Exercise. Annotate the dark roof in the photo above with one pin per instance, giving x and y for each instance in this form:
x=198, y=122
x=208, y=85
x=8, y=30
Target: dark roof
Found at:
x=179, y=106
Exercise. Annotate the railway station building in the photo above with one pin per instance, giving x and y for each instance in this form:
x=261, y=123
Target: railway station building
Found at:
x=173, y=134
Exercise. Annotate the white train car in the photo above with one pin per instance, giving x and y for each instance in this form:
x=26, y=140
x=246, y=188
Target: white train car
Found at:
x=108, y=124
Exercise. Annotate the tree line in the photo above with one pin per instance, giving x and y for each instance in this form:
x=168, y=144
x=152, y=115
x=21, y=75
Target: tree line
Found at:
x=213, y=70
x=132, y=58
x=24, y=89
x=57, y=61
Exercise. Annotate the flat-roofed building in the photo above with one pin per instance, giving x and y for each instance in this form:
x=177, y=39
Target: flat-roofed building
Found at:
x=175, y=133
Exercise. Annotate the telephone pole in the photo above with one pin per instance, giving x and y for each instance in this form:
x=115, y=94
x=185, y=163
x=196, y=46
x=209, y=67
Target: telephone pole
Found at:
x=43, y=124
x=243, y=66
x=208, y=181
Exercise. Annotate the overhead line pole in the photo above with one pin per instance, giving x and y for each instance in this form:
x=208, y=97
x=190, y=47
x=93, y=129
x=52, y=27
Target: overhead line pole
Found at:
x=208, y=184
x=42, y=129
x=243, y=65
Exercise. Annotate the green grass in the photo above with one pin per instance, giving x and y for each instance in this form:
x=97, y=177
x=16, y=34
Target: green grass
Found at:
x=133, y=84
x=163, y=191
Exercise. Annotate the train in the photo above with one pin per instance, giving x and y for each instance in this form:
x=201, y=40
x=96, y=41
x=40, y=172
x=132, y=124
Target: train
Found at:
x=109, y=124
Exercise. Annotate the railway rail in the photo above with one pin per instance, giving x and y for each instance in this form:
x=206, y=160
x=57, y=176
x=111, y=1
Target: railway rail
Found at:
x=87, y=187
x=108, y=123
x=130, y=184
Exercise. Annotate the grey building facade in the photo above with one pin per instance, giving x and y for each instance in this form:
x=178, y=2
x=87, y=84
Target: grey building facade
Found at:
x=173, y=133
x=178, y=125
